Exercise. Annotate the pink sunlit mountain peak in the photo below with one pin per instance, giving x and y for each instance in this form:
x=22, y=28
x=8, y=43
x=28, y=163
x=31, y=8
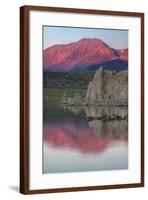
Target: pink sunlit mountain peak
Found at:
x=80, y=55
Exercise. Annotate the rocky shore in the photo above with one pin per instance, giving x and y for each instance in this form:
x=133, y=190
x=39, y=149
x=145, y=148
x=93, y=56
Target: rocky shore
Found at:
x=106, y=97
x=106, y=88
x=104, y=113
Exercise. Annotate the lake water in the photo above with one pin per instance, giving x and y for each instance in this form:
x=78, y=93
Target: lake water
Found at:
x=73, y=144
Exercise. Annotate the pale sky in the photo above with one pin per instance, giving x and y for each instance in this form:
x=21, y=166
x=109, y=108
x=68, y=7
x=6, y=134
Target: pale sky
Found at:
x=62, y=35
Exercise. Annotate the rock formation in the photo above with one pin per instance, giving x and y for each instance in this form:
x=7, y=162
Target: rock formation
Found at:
x=76, y=100
x=108, y=88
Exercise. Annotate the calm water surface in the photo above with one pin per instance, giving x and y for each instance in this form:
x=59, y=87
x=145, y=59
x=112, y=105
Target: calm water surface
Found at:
x=72, y=144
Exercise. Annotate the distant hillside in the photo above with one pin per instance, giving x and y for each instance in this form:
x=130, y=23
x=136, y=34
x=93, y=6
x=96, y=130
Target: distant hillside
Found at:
x=81, y=55
x=67, y=79
x=114, y=65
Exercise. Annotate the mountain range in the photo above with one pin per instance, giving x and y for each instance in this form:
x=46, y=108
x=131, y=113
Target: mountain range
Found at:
x=87, y=54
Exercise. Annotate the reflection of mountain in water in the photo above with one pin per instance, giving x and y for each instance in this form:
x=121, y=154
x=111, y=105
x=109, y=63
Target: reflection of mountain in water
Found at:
x=87, y=137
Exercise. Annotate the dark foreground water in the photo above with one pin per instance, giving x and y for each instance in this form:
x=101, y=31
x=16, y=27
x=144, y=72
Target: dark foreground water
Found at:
x=72, y=144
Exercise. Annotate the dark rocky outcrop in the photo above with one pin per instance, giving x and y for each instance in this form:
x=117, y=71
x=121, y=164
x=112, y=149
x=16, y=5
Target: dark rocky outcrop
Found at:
x=104, y=113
